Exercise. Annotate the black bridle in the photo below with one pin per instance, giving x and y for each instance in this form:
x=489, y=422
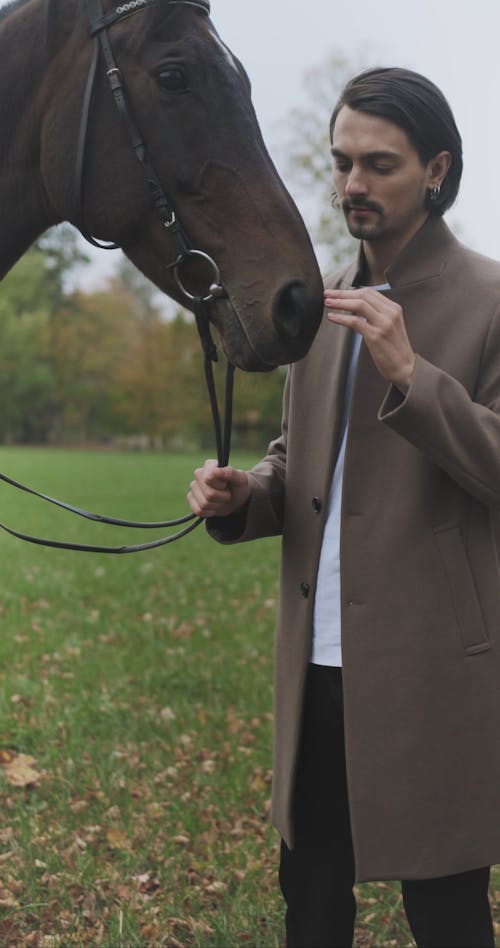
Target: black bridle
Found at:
x=100, y=23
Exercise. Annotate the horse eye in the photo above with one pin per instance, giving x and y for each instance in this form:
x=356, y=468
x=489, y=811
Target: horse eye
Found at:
x=173, y=80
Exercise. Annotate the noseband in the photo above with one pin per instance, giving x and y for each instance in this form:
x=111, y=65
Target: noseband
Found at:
x=100, y=22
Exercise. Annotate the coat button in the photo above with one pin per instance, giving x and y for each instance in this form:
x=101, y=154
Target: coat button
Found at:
x=304, y=588
x=317, y=505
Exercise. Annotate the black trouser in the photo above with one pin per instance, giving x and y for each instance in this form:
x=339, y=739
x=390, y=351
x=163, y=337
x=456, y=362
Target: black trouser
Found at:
x=317, y=877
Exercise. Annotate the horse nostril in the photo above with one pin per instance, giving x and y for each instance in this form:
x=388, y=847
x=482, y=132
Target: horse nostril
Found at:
x=292, y=310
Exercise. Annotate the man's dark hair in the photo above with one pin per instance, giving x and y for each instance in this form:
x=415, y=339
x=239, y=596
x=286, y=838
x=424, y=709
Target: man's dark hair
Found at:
x=420, y=109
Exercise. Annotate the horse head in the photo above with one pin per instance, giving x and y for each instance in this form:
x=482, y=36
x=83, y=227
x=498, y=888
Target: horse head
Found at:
x=190, y=98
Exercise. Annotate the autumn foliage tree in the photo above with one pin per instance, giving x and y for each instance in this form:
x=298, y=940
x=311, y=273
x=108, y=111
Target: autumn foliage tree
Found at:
x=108, y=364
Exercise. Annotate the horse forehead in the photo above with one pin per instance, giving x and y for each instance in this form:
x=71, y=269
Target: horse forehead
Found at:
x=227, y=52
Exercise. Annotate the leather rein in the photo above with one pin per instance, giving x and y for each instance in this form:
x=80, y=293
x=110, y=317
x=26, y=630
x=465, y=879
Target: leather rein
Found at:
x=100, y=22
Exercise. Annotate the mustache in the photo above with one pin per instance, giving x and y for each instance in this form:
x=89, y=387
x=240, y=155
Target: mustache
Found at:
x=351, y=204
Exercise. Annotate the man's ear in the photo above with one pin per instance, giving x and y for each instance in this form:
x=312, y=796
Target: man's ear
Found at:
x=437, y=169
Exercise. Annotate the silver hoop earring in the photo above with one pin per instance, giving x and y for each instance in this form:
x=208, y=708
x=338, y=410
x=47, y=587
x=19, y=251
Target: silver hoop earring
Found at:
x=435, y=192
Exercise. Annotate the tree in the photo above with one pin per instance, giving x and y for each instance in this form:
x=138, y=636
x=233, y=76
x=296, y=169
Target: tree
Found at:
x=39, y=279
x=62, y=254
x=306, y=150
x=32, y=293
x=90, y=338
x=27, y=387
x=160, y=378
x=144, y=296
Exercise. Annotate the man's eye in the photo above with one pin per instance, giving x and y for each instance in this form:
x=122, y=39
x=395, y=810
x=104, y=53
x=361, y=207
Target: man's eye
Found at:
x=344, y=169
x=383, y=169
x=173, y=79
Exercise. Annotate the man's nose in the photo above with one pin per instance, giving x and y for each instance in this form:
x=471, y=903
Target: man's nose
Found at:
x=355, y=184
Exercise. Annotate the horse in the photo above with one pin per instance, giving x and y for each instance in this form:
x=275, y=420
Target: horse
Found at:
x=186, y=101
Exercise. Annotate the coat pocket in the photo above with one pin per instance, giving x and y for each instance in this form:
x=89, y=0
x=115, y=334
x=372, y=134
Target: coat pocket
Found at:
x=463, y=590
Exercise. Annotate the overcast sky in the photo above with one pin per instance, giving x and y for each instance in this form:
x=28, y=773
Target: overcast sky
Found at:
x=455, y=43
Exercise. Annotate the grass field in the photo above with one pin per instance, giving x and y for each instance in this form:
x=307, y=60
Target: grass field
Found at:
x=141, y=689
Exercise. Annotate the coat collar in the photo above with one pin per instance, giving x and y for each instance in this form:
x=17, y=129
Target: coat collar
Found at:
x=424, y=257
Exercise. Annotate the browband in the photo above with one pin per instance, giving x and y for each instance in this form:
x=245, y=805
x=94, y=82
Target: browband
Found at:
x=133, y=5
x=103, y=21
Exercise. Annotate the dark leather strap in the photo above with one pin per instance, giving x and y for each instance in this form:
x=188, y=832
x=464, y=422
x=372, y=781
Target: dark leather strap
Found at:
x=223, y=447
x=99, y=24
x=88, y=548
x=124, y=10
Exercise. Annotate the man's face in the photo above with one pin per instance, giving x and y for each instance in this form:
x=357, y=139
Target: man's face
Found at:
x=379, y=178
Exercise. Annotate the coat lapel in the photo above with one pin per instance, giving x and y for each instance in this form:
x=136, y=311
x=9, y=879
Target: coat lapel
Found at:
x=424, y=257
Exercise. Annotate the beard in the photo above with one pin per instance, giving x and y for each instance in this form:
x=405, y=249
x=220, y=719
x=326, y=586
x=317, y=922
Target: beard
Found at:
x=370, y=229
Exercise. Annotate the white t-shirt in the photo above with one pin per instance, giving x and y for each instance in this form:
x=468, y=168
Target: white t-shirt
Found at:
x=326, y=647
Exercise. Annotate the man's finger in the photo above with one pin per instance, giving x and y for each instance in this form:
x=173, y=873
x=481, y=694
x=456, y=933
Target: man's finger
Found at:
x=212, y=475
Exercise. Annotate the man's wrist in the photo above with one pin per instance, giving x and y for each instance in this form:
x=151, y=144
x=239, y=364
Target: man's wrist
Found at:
x=403, y=382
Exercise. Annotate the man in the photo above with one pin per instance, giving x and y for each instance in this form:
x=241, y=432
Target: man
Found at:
x=385, y=484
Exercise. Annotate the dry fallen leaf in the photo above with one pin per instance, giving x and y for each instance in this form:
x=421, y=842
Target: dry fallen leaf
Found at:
x=151, y=932
x=192, y=925
x=257, y=783
x=167, y=715
x=182, y=840
x=7, y=899
x=117, y=838
x=216, y=886
x=146, y=883
x=6, y=755
x=19, y=769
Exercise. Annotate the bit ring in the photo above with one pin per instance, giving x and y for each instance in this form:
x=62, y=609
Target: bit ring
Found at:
x=215, y=289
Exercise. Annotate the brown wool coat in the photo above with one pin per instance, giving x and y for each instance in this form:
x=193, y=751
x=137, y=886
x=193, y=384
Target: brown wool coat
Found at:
x=419, y=565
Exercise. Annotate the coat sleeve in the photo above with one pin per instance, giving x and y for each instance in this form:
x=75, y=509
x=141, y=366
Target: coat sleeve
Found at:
x=262, y=516
x=458, y=432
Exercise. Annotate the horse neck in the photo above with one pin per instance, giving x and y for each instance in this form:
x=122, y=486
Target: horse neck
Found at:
x=23, y=63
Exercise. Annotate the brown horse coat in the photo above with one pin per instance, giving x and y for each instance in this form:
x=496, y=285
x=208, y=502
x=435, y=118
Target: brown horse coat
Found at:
x=420, y=568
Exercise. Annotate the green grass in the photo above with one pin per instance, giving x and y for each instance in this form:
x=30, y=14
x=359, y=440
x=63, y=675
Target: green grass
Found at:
x=142, y=686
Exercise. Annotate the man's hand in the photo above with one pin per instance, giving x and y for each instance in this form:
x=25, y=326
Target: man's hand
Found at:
x=380, y=322
x=218, y=491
